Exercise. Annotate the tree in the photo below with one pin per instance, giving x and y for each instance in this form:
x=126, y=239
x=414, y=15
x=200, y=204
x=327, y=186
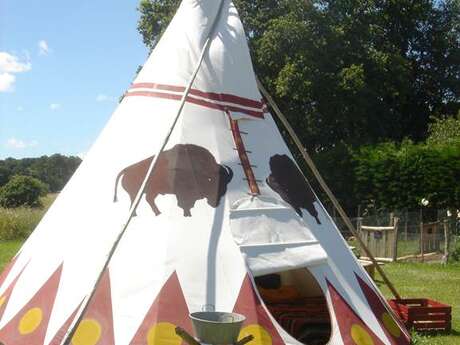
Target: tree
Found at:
x=22, y=191
x=445, y=130
x=348, y=71
x=54, y=170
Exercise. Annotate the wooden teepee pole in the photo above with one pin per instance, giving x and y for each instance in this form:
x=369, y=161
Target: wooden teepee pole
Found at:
x=151, y=168
x=324, y=186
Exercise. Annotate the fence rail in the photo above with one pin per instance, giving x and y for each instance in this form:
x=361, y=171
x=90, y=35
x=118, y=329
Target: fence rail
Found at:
x=406, y=235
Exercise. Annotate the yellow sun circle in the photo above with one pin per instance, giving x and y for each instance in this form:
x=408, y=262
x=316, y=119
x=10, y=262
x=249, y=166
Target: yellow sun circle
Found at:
x=391, y=325
x=30, y=321
x=88, y=333
x=261, y=336
x=163, y=333
x=360, y=336
x=2, y=300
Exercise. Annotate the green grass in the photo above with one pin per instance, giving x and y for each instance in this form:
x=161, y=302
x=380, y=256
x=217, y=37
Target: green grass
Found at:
x=18, y=223
x=7, y=250
x=435, y=281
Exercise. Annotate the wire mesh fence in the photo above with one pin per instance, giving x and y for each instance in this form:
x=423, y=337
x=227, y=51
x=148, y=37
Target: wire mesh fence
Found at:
x=424, y=234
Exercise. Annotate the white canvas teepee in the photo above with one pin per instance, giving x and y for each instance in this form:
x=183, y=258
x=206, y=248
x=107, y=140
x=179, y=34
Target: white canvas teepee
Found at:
x=225, y=209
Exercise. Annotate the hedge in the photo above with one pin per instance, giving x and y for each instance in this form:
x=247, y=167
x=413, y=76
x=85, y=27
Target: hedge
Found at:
x=394, y=176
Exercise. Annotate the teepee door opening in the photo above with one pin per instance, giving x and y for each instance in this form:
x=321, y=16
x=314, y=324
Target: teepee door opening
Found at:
x=297, y=303
x=278, y=246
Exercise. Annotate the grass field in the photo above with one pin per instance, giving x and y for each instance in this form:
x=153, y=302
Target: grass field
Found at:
x=7, y=251
x=435, y=281
x=18, y=223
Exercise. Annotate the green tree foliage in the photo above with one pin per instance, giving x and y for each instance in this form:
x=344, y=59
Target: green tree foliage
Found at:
x=444, y=130
x=54, y=170
x=393, y=176
x=353, y=71
x=22, y=191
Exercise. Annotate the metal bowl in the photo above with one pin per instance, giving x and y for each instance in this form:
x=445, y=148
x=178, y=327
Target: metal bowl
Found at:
x=217, y=328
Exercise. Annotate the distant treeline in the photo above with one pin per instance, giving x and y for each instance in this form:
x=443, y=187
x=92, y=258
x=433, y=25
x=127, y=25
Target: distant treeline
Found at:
x=53, y=170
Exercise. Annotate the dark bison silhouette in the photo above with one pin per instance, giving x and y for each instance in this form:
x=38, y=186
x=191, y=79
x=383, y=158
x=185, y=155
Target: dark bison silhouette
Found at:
x=287, y=180
x=188, y=171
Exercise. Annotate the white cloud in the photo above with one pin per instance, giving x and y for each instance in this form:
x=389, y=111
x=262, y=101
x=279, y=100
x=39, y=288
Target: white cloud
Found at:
x=81, y=155
x=9, y=65
x=14, y=143
x=55, y=106
x=43, y=48
x=104, y=98
x=6, y=82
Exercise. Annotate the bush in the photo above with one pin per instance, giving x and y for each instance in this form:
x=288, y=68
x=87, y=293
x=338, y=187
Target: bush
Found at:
x=22, y=191
x=454, y=256
x=393, y=176
x=399, y=176
x=18, y=223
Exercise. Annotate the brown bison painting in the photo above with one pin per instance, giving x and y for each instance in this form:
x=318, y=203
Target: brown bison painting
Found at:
x=287, y=180
x=188, y=171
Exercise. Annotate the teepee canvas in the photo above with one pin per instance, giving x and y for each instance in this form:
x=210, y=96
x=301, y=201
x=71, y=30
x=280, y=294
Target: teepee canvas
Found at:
x=226, y=222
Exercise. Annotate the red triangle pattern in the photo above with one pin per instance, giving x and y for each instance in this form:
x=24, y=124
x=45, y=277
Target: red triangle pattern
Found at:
x=57, y=339
x=169, y=306
x=6, y=295
x=249, y=305
x=29, y=326
x=379, y=309
x=352, y=329
x=99, y=311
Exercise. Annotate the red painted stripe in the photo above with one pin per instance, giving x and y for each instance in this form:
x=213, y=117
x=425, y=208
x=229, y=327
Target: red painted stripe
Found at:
x=222, y=97
x=258, y=114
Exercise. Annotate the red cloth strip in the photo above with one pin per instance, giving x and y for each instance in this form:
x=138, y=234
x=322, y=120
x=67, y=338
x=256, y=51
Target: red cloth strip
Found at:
x=258, y=114
x=222, y=97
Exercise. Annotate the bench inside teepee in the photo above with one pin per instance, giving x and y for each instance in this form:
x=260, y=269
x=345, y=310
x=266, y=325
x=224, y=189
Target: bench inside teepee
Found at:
x=297, y=303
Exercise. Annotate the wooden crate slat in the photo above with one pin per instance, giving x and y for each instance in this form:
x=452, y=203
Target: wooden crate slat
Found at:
x=423, y=314
x=442, y=317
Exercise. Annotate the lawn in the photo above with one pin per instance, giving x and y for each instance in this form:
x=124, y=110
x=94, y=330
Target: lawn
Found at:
x=7, y=251
x=435, y=281
x=16, y=225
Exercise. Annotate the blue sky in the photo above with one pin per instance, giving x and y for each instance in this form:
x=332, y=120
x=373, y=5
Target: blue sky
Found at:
x=63, y=66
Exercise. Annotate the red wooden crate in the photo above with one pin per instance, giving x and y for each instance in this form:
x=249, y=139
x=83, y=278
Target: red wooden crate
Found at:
x=423, y=314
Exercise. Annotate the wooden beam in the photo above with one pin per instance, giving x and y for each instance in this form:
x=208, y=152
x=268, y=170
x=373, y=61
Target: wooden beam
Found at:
x=186, y=337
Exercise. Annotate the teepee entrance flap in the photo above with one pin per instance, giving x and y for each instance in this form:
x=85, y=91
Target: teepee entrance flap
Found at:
x=272, y=237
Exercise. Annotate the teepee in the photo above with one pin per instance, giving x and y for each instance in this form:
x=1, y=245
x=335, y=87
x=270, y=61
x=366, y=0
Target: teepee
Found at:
x=190, y=200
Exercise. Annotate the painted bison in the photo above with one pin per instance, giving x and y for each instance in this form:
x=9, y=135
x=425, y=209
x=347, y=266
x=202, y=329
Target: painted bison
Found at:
x=287, y=180
x=188, y=171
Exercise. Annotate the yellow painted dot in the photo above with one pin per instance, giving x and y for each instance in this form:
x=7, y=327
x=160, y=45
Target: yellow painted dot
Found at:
x=163, y=333
x=2, y=300
x=391, y=325
x=88, y=333
x=360, y=336
x=30, y=321
x=261, y=336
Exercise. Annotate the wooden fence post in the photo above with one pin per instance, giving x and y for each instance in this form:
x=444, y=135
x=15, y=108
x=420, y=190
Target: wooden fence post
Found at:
x=422, y=249
x=395, y=239
x=405, y=225
x=445, y=258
